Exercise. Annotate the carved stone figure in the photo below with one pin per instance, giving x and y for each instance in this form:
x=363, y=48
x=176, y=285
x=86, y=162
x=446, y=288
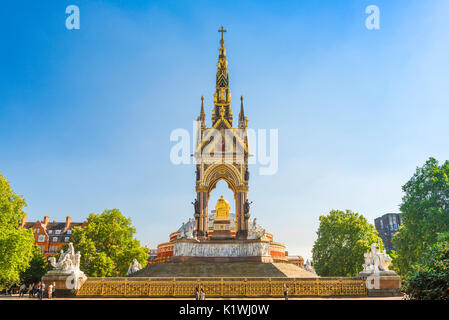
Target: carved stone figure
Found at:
x=197, y=174
x=308, y=267
x=255, y=230
x=68, y=261
x=186, y=230
x=246, y=174
x=196, y=205
x=246, y=206
x=68, y=265
x=134, y=266
x=190, y=228
x=375, y=260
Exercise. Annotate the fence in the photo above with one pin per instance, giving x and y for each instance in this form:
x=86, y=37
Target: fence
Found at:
x=221, y=287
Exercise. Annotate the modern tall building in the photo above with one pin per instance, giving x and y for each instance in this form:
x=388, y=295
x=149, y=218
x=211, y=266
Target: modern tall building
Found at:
x=387, y=226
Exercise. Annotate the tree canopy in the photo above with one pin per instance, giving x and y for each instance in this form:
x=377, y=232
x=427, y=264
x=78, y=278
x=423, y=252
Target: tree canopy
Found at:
x=16, y=244
x=343, y=238
x=425, y=213
x=429, y=279
x=37, y=268
x=107, y=244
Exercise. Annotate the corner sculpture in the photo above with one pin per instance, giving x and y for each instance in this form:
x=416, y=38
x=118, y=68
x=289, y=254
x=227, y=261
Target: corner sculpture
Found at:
x=375, y=260
x=255, y=230
x=68, y=261
x=308, y=266
x=66, y=272
x=186, y=230
x=380, y=281
x=134, y=266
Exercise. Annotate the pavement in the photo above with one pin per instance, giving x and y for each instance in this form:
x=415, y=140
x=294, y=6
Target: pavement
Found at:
x=16, y=297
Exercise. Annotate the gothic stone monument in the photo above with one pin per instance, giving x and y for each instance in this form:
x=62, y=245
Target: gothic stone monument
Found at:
x=221, y=153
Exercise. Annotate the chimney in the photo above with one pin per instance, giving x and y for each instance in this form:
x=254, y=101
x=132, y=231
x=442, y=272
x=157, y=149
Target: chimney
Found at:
x=45, y=221
x=24, y=220
x=68, y=219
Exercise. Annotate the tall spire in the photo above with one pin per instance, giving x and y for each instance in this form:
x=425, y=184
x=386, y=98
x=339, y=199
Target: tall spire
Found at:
x=222, y=95
x=242, y=118
x=202, y=117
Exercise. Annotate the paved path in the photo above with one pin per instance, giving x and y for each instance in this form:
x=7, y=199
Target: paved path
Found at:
x=16, y=297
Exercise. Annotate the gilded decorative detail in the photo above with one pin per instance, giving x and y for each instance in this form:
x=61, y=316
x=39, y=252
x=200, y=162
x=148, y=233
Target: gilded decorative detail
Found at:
x=221, y=287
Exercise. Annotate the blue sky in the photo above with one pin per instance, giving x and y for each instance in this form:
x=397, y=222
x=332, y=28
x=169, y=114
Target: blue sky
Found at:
x=86, y=115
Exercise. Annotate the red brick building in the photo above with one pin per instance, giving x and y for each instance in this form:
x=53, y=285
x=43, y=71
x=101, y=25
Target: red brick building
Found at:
x=51, y=236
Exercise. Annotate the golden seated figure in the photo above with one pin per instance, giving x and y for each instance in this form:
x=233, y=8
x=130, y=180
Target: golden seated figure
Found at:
x=222, y=209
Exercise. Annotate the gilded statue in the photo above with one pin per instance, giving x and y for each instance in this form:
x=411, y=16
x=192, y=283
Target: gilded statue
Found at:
x=222, y=209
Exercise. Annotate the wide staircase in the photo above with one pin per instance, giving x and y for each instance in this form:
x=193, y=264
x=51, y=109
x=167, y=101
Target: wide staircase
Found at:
x=226, y=269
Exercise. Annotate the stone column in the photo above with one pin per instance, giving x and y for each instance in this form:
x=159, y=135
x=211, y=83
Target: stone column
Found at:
x=242, y=221
x=201, y=218
x=205, y=210
x=237, y=215
x=245, y=216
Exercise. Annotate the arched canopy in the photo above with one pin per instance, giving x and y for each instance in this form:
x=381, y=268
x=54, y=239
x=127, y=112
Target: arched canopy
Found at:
x=219, y=172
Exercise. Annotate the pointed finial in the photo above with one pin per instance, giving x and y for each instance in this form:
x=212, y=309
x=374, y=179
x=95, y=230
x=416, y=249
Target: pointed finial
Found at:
x=242, y=122
x=202, y=106
x=222, y=30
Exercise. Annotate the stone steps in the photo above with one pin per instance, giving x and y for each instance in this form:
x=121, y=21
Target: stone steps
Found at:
x=225, y=269
x=293, y=271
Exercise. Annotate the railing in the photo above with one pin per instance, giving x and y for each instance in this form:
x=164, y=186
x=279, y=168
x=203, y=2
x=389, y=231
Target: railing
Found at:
x=221, y=287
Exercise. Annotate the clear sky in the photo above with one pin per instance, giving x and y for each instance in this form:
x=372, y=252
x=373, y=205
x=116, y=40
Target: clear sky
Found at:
x=86, y=115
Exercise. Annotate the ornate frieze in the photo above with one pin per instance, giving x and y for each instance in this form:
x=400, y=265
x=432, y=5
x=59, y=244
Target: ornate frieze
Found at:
x=217, y=249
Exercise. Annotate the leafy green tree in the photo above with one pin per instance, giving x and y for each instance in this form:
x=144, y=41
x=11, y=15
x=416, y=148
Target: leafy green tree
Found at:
x=107, y=244
x=429, y=279
x=343, y=238
x=37, y=268
x=16, y=244
x=425, y=213
x=394, y=257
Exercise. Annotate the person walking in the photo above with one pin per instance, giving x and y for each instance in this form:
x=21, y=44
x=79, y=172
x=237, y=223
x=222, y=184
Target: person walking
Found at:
x=22, y=289
x=53, y=293
x=38, y=289
x=202, y=295
x=42, y=291
x=50, y=290
x=197, y=294
x=30, y=290
x=286, y=292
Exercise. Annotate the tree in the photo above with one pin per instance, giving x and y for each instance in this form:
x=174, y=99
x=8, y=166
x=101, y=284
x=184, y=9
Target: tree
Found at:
x=425, y=213
x=16, y=244
x=343, y=238
x=429, y=279
x=107, y=244
x=37, y=268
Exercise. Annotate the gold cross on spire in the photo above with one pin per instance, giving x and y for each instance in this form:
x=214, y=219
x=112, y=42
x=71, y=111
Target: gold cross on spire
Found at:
x=222, y=31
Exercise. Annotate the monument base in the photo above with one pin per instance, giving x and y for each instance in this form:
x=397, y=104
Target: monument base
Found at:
x=382, y=284
x=230, y=250
x=221, y=235
x=65, y=283
x=222, y=259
